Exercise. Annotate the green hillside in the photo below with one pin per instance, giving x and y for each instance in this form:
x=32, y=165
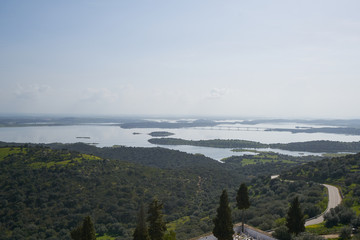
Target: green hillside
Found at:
x=45, y=192
x=343, y=172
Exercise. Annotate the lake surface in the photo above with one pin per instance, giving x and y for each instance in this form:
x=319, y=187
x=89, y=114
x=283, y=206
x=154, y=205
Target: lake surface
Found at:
x=105, y=135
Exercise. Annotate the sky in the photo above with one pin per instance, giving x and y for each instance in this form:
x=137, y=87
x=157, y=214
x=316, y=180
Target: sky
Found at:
x=246, y=58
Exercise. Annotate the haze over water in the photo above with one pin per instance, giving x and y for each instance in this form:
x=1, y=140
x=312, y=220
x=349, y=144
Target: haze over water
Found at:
x=107, y=136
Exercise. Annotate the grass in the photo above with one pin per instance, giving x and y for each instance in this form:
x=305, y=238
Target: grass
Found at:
x=4, y=152
x=171, y=226
x=68, y=162
x=320, y=229
x=263, y=158
x=105, y=237
x=356, y=208
x=249, y=150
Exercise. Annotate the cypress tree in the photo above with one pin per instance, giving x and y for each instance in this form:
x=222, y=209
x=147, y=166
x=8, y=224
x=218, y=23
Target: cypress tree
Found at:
x=242, y=202
x=88, y=231
x=295, y=221
x=84, y=232
x=76, y=233
x=141, y=232
x=157, y=226
x=223, y=228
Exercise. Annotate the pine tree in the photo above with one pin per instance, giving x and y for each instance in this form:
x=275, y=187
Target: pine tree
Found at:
x=223, y=228
x=242, y=202
x=141, y=231
x=157, y=226
x=295, y=221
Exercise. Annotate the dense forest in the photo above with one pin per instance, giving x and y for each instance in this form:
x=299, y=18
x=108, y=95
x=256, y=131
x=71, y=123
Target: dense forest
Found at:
x=46, y=191
x=311, y=146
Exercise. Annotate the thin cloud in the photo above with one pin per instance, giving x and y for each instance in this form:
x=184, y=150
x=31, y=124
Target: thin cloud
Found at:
x=217, y=93
x=99, y=95
x=31, y=91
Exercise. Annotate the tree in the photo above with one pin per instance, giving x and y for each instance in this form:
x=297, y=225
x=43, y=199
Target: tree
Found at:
x=223, y=228
x=295, y=221
x=282, y=233
x=76, y=233
x=345, y=233
x=242, y=202
x=88, y=230
x=141, y=231
x=84, y=232
x=157, y=226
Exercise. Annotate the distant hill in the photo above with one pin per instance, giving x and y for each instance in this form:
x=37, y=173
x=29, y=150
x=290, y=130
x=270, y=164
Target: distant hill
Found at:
x=310, y=146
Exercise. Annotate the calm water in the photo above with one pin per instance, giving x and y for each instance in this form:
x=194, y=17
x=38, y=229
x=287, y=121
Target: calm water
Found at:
x=112, y=135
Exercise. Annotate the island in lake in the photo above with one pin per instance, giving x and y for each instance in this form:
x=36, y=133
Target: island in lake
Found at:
x=161, y=134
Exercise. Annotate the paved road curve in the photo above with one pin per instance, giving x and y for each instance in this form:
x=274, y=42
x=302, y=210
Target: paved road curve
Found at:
x=334, y=200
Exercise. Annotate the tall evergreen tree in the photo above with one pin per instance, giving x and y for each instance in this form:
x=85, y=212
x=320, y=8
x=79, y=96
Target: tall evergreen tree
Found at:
x=223, y=228
x=295, y=220
x=157, y=226
x=76, y=233
x=141, y=231
x=242, y=202
x=86, y=231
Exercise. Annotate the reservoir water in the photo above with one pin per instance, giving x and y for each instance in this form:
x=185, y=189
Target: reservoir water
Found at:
x=107, y=135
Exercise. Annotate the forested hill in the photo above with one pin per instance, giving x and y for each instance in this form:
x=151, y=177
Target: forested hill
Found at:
x=336, y=170
x=44, y=193
x=154, y=157
x=343, y=172
x=311, y=146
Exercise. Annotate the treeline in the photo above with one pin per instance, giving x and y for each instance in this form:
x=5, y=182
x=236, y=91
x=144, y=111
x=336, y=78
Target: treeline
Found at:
x=319, y=146
x=310, y=146
x=216, y=143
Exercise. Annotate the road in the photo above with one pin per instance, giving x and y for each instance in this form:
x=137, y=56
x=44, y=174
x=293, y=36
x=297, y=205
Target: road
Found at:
x=334, y=200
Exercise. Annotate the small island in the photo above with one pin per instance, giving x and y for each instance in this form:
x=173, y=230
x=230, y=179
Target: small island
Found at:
x=161, y=134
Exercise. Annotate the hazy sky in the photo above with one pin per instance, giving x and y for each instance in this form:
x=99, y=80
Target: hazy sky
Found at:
x=241, y=58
